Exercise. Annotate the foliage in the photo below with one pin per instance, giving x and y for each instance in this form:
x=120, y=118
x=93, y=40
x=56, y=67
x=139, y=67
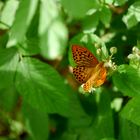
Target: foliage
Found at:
x=39, y=97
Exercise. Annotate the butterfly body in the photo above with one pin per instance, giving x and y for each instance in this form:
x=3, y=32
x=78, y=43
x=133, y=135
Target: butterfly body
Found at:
x=89, y=71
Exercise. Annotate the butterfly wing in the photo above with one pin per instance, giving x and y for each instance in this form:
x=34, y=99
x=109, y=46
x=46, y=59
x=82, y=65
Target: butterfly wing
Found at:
x=101, y=77
x=88, y=71
x=96, y=79
x=83, y=57
x=82, y=73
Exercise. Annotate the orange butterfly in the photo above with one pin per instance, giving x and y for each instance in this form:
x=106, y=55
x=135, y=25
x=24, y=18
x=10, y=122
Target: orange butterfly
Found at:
x=89, y=71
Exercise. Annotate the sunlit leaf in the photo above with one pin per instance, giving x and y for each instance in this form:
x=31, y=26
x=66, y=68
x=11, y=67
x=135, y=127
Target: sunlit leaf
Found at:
x=8, y=13
x=127, y=80
x=131, y=110
x=120, y=2
x=133, y=15
x=105, y=15
x=8, y=65
x=24, y=14
x=78, y=8
x=52, y=31
x=42, y=87
x=90, y=22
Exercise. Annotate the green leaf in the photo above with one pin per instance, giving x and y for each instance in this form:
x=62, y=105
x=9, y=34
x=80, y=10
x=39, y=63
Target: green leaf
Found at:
x=68, y=136
x=53, y=42
x=127, y=80
x=78, y=8
x=130, y=20
x=128, y=130
x=52, y=31
x=133, y=16
x=105, y=15
x=42, y=87
x=30, y=46
x=120, y=2
x=36, y=123
x=131, y=110
x=8, y=98
x=24, y=15
x=108, y=139
x=3, y=40
x=76, y=110
x=109, y=1
x=9, y=11
x=8, y=66
x=100, y=118
x=90, y=22
x=135, y=8
x=104, y=118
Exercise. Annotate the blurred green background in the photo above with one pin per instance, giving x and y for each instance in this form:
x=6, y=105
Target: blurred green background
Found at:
x=39, y=96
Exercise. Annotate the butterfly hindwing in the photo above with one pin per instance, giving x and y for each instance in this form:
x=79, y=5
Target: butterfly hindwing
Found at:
x=82, y=73
x=83, y=57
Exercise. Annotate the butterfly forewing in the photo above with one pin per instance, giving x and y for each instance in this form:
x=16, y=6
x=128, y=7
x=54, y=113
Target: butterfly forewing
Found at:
x=83, y=57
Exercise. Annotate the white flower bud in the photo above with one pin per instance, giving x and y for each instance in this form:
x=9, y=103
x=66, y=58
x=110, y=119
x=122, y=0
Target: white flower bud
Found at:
x=98, y=51
x=113, y=50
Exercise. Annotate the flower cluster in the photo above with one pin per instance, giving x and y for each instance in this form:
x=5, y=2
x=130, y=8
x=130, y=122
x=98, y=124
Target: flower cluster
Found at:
x=109, y=64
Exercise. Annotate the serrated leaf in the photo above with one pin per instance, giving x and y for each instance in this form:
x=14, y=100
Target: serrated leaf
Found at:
x=24, y=15
x=130, y=20
x=78, y=8
x=127, y=80
x=8, y=64
x=36, y=123
x=105, y=15
x=131, y=110
x=133, y=15
x=42, y=87
x=128, y=130
x=135, y=8
x=52, y=31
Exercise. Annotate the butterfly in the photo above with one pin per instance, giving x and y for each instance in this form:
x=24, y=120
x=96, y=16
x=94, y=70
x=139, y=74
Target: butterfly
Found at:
x=88, y=71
